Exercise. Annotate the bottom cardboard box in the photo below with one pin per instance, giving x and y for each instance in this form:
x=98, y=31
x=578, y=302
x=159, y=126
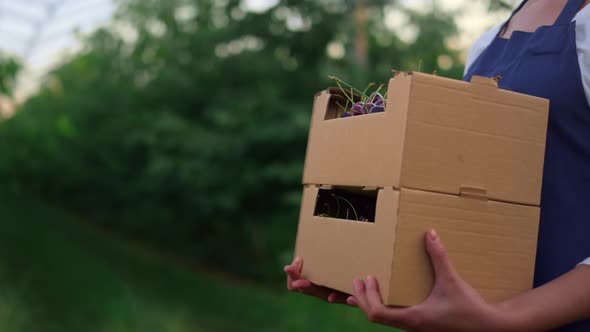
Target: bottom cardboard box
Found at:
x=491, y=244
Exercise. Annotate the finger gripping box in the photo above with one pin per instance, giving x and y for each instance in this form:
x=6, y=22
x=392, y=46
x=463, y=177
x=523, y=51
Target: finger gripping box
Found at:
x=464, y=158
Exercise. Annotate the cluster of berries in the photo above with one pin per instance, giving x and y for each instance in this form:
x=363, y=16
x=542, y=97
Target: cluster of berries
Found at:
x=360, y=102
x=376, y=104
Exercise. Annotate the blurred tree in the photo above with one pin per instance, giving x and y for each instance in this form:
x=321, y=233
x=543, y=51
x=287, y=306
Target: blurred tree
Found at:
x=184, y=124
x=9, y=68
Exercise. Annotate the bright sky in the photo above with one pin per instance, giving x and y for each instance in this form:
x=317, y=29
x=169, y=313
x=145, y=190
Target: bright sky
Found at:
x=39, y=31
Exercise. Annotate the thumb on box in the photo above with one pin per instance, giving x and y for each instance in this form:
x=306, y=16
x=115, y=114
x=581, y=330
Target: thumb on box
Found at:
x=443, y=268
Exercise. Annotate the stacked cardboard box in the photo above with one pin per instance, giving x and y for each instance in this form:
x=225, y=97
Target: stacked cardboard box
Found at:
x=464, y=158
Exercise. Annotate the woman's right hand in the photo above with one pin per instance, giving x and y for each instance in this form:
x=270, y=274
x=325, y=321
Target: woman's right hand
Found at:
x=296, y=283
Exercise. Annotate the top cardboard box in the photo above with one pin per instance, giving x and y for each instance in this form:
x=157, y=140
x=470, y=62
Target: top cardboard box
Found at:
x=436, y=134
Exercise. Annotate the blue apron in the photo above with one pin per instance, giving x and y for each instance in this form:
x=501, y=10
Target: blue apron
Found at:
x=544, y=63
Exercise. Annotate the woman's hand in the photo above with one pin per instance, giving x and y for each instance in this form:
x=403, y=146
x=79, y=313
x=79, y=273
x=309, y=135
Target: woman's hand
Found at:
x=452, y=305
x=295, y=282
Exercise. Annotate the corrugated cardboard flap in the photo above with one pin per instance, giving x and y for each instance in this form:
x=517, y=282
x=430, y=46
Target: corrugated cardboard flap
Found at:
x=462, y=134
x=437, y=134
x=492, y=245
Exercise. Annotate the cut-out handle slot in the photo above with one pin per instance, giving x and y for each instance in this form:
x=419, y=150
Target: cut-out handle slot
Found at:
x=348, y=203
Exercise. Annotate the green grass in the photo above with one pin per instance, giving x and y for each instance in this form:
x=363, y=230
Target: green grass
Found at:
x=57, y=274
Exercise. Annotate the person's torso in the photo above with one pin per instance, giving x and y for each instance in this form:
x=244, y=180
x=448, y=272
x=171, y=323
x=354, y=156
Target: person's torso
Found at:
x=544, y=63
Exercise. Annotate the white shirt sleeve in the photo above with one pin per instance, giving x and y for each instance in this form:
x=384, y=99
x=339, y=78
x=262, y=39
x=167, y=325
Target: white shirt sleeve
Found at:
x=583, y=46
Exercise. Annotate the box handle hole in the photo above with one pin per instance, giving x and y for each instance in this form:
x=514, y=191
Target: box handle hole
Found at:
x=347, y=203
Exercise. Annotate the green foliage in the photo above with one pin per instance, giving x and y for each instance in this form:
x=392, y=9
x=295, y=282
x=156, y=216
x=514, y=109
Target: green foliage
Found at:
x=9, y=68
x=57, y=275
x=184, y=124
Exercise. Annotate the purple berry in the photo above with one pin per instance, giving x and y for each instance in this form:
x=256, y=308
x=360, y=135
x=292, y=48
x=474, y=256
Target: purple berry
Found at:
x=376, y=97
x=377, y=109
x=358, y=107
x=368, y=107
x=346, y=114
x=379, y=102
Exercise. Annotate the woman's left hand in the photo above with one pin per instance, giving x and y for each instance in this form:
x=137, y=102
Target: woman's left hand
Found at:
x=452, y=305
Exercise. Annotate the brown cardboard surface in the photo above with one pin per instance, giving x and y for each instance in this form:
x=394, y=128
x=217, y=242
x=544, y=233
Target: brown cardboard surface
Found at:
x=437, y=134
x=337, y=147
x=372, y=143
x=491, y=244
x=336, y=251
x=474, y=135
x=463, y=158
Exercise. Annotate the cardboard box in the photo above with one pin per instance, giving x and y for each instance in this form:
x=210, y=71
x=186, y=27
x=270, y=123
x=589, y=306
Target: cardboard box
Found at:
x=492, y=244
x=463, y=158
x=436, y=134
